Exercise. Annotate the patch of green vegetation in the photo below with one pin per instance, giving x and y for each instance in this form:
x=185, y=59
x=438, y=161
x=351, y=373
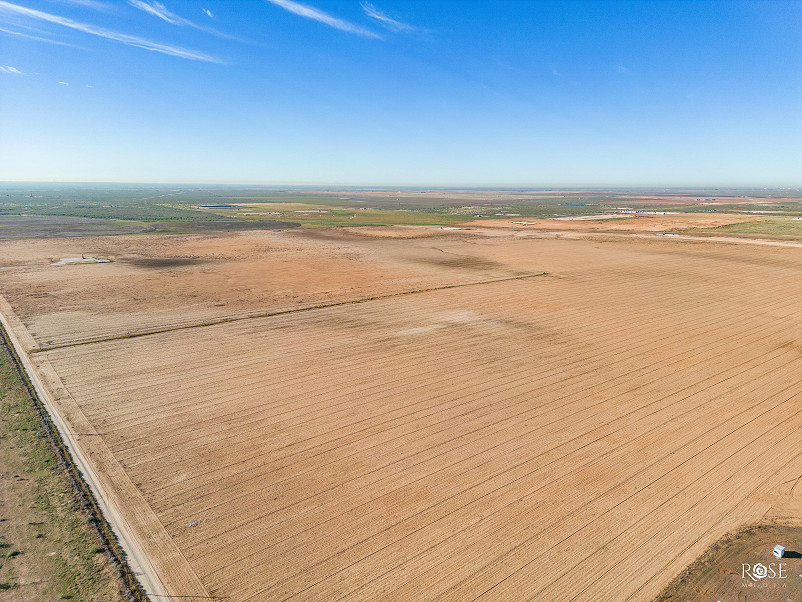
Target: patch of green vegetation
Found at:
x=787, y=208
x=45, y=530
x=149, y=206
x=765, y=227
x=377, y=218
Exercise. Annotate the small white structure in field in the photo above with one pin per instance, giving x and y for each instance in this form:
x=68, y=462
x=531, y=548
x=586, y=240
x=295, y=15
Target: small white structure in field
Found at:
x=779, y=551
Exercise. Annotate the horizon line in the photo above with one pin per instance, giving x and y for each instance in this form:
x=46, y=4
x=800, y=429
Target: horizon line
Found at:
x=421, y=186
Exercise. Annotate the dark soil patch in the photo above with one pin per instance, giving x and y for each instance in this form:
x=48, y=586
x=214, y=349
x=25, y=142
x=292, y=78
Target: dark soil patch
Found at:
x=155, y=263
x=465, y=262
x=24, y=226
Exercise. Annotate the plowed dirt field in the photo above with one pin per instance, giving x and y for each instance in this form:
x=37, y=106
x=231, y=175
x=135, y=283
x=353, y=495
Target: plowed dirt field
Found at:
x=450, y=415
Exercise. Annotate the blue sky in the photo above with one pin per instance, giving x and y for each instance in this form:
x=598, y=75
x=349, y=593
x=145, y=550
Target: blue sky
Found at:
x=437, y=93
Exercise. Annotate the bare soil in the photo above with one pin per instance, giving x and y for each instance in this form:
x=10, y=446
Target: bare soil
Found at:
x=583, y=434
x=162, y=281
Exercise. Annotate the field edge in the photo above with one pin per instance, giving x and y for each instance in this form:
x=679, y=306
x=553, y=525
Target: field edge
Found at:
x=692, y=573
x=83, y=493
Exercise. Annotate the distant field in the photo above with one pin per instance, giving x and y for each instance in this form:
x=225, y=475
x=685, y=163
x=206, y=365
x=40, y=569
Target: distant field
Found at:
x=654, y=222
x=174, y=208
x=776, y=227
x=316, y=216
x=416, y=413
x=48, y=226
x=40, y=226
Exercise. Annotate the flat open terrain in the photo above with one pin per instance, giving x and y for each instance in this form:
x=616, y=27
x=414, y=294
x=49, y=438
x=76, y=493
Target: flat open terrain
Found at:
x=644, y=222
x=577, y=420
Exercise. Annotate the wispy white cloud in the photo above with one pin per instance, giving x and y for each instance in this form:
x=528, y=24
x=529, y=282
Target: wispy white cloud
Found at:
x=10, y=70
x=93, y=4
x=208, y=13
x=28, y=36
x=623, y=70
x=386, y=21
x=309, y=12
x=63, y=84
x=157, y=9
x=129, y=40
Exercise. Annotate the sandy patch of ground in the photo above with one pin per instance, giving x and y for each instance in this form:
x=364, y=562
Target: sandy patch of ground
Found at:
x=638, y=223
x=165, y=280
